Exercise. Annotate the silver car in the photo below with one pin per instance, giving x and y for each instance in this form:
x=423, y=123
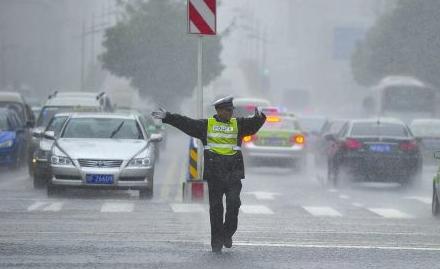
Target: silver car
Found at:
x=105, y=151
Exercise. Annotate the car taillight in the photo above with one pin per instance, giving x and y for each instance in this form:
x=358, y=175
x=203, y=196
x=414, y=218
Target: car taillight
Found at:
x=298, y=139
x=273, y=119
x=408, y=145
x=249, y=138
x=352, y=144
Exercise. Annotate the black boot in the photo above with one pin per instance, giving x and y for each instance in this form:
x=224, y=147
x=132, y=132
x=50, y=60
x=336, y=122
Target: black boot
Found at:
x=227, y=242
x=217, y=249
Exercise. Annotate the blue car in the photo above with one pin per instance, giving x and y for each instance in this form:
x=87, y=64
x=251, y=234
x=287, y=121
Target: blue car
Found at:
x=13, y=142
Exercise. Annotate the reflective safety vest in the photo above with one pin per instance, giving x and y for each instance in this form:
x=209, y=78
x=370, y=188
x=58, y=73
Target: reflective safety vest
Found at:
x=222, y=137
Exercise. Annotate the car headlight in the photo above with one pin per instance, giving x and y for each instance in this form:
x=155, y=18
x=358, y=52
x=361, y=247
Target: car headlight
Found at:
x=7, y=144
x=42, y=155
x=140, y=162
x=61, y=160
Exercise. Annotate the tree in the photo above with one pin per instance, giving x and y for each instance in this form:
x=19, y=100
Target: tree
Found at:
x=151, y=47
x=403, y=42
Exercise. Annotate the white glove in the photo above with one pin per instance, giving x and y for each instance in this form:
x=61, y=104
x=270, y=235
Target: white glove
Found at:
x=257, y=112
x=159, y=114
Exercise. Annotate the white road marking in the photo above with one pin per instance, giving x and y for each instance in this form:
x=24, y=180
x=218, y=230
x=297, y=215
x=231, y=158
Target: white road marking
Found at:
x=343, y=196
x=117, y=207
x=322, y=211
x=390, y=213
x=357, y=204
x=293, y=245
x=261, y=195
x=35, y=206
x=256, y=209
x=332, y=190
x=426, y=200
x=54, y=207
x=187, y=208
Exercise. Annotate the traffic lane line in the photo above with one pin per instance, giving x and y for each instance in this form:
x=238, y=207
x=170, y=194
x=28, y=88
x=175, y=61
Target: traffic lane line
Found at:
x=390, y=213
x=322, y=211
x=256, y=209
x=117, y=207
x=426, y=200
x=187, y=208
x=54, y=207
x=242, y=243
x=329, y=246
x=36, y=205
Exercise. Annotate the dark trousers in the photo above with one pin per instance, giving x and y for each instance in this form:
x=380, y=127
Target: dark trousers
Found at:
x=219, y=229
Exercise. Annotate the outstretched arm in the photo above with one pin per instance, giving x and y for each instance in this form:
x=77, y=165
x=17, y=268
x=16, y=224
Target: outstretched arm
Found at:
x=191, y=127
x=249, y=126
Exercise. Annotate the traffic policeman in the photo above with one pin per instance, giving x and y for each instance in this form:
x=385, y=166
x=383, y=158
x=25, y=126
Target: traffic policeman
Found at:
x=221, y=136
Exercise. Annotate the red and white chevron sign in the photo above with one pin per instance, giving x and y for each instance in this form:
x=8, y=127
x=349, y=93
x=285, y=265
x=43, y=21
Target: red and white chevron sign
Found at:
x=202, y=17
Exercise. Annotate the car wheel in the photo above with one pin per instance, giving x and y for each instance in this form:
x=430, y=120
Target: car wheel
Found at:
x=145, y=194
x=435, y=203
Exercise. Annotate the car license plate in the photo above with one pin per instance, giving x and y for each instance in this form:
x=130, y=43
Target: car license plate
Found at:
x=99, y=179
x=380, y=148
x=273, y=141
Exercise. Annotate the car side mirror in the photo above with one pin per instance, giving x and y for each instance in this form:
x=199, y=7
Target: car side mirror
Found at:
x=156, y=137
x=37, y=132
x=49, y=135
x=29, y=124
x=437, y=155
x=330, y=137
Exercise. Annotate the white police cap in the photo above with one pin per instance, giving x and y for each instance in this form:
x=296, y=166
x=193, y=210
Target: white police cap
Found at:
x=224, y=102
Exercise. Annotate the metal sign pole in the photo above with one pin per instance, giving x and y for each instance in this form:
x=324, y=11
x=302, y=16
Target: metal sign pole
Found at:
x=200, y=104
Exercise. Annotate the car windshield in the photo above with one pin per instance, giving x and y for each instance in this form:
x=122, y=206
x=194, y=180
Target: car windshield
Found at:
x=102, y=128
x=247, y=110
x=378, y=129
x=426, y=129
x=335, y=127
x=281, y=124
x=48, y=112
x=3, y=123
x=56, y=124
x=17, y=107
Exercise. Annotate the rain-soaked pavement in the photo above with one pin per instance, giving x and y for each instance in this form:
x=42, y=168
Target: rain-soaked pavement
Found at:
x=287, y=220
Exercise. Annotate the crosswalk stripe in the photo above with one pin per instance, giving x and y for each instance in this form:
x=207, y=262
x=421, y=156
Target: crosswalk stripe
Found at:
x=322, y=211
x=187, y=208
x=54, y=207
x=35, y=206
x=390, y=213
x=256, y=209
x=117, y=207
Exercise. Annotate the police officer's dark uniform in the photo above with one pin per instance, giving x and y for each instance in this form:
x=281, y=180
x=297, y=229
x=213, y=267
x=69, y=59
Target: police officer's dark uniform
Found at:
x=223, y=164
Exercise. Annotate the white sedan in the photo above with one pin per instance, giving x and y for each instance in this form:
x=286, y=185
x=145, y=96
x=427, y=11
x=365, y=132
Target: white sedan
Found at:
x=105, y=151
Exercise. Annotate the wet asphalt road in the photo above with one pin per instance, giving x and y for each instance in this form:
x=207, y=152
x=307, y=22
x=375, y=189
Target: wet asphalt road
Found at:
x=288, y=220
